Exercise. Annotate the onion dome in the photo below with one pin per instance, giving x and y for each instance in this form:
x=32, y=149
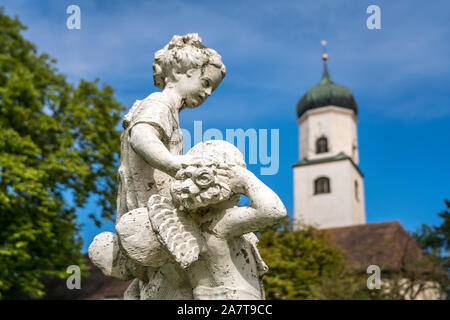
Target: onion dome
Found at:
x=326, y=93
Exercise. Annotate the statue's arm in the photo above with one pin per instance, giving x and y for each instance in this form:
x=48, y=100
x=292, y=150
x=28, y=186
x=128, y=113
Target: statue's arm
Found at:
x=145, y=140
x=266, y=208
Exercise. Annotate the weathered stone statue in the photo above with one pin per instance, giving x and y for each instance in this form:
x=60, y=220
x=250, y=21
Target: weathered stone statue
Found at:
x=180, y=234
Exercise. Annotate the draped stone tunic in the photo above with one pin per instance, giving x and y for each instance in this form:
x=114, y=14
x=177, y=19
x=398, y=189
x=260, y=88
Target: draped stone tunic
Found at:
x=137, y=179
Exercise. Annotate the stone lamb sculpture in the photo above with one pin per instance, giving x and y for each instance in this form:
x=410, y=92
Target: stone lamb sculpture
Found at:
x=167, y=201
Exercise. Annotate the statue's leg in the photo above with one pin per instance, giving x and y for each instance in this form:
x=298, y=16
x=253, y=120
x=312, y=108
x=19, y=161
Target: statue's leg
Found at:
x=105, y=253
x=133, y=291
x=166, y=283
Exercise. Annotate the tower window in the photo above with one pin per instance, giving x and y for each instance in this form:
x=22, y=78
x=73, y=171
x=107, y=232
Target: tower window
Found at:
x=322, y=145
x=356, y=191
x=322, y=185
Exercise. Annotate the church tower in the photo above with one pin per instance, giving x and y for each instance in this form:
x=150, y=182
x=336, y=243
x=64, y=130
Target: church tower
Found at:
x=328, y=184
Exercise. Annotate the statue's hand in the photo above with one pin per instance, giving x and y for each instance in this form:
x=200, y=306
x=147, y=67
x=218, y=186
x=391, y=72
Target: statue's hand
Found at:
x=238, y=179
x=180, y=162
x=236, y=175
x=191, y=162
x=196, y=161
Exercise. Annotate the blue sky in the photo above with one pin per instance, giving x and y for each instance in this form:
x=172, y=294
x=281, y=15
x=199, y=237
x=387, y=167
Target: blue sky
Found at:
x=399, y=75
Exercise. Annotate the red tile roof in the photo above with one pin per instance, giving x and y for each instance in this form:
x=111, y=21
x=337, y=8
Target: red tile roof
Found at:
x=383, y=244
x=96, y=286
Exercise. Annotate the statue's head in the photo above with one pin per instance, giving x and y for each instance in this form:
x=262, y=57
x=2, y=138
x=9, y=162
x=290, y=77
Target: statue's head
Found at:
x=206, y=181
x=189, y=67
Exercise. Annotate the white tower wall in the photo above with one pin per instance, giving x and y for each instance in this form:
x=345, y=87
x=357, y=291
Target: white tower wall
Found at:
x=344, y=205
x=337, y=124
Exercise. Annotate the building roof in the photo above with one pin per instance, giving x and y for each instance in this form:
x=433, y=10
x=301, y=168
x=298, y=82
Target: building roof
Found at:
x=340, y=156
x=384, y=244
x=96, y=286
x=326, y=93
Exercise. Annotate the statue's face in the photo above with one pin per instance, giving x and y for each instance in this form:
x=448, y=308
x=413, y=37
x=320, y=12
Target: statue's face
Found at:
x=195, y=87
x=196, y=187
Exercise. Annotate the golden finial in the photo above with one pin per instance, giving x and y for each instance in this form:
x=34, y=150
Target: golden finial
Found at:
x=324, y=54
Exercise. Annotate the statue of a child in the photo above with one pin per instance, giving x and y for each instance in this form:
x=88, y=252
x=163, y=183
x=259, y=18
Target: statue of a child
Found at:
x=151, y=146
x=151, y=151
x=208, y=236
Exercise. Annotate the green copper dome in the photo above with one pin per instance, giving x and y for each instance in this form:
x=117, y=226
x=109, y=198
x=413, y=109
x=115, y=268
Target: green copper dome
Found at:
x=326, y=93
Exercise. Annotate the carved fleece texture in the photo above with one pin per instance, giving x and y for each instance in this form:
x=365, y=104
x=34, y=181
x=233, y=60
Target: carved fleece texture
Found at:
x=177, y=233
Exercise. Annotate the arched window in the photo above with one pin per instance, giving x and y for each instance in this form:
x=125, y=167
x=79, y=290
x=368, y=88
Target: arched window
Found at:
x=322, y=185
x=356, y=191
x=322, y=145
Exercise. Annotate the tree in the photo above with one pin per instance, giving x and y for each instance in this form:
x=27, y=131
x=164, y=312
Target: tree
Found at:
x=305, y=265
x=435, y=241
x=56, y=139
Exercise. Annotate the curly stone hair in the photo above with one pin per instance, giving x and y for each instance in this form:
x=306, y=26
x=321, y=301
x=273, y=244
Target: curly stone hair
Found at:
x=181, y=54
x=205, y=181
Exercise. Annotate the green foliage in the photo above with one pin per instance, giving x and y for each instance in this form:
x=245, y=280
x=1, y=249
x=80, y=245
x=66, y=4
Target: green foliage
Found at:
x=435, y=240
x=55, y=137
x=444, y=228
x=305, y=265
